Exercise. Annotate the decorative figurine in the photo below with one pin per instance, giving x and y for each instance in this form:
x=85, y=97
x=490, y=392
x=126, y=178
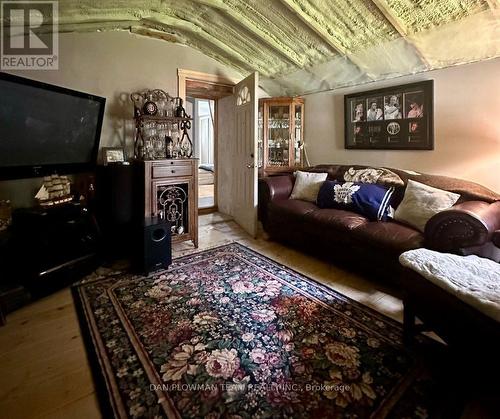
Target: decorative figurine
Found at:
x=55, y=190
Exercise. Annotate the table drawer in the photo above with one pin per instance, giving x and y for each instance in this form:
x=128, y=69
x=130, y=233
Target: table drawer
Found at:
x=173, y=162
x=172, y=171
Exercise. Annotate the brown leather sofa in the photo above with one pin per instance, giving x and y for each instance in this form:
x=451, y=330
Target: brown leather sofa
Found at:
x=468, y=227
x=496, y=238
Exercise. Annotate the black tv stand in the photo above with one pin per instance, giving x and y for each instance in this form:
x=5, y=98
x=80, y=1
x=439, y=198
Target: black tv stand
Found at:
x=49, y=242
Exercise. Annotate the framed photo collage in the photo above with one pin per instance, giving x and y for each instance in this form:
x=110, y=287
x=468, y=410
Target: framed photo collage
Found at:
x=393, y=118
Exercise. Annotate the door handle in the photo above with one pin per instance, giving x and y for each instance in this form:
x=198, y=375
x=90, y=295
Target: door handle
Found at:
x=250, y=166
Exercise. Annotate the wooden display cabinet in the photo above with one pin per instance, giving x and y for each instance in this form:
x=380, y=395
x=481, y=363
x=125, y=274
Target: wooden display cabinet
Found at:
x=171, y=192
x=280, y=134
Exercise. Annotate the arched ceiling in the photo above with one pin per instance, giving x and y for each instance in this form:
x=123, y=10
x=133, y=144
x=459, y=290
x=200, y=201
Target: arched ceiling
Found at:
x=302, y=45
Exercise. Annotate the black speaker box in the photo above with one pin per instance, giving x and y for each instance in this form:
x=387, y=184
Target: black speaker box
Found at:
x=116, y=208
x=155, y=247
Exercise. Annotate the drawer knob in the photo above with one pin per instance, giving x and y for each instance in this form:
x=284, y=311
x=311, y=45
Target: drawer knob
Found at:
x=173, y=171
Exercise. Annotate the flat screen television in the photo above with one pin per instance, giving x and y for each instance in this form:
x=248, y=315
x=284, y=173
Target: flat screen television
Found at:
x=46, y=129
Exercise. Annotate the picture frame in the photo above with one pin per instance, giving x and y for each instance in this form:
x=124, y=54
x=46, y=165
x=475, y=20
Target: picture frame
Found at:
x=393, y=118
x=111, y=155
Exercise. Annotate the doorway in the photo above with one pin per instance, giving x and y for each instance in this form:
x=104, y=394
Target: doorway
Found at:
x=203, y=135
x=235, y=140
x=201, y=93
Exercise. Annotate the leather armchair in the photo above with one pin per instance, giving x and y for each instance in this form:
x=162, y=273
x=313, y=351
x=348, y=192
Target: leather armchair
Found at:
x=466, y=225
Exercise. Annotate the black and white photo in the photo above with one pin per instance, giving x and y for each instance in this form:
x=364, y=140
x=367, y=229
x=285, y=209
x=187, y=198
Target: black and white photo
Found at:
x=392, y=107
x=374, y=109
x=358, y=111
x=391, y=118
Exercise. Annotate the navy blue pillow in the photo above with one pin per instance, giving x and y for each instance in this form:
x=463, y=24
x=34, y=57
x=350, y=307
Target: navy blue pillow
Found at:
x=368, y=199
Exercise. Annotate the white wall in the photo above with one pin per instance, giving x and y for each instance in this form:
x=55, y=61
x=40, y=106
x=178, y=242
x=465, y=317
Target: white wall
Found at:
x=115, y=64
x=112, y=65
x=466, y=121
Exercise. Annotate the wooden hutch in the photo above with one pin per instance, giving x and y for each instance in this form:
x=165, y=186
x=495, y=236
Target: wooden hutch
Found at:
x=280, y=135
x=171, y=192
x=162, y=151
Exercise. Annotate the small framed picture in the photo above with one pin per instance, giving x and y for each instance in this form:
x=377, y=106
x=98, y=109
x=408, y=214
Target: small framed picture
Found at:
x=375, y=133
x=415, y=130
x=359, y=133
x=113, y=155
x=414, y=127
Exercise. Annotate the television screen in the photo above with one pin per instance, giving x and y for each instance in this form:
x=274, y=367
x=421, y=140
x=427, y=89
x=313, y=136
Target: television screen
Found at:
x=46, y=129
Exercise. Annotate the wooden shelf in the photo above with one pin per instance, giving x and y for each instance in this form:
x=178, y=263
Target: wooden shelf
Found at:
x=162, y=118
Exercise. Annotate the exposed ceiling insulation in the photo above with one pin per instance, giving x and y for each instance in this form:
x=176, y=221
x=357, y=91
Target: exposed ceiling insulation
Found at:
x=301, y=46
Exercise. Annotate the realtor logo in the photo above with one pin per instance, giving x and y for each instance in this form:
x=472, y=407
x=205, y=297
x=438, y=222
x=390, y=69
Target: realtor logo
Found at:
x=30, y=38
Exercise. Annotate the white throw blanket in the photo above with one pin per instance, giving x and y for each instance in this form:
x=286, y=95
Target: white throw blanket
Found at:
x=474, y=280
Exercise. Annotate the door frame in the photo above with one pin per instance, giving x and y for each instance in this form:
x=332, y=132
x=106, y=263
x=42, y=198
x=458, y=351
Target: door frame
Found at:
x=210, y=80
x=183, y=76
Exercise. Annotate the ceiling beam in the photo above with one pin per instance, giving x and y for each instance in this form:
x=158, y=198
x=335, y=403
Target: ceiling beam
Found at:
x=89, y=25
x=493, y=4
x=265, y=36
x=161, y=26
x=162, y=20
x=153, y=33
x=95, y=26
x=399, y=26
x=133, y=26
x=393, y=20
x=321, y=31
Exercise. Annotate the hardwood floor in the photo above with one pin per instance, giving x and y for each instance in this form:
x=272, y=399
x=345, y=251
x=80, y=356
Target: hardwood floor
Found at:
x=206, y=196
x=43, y=364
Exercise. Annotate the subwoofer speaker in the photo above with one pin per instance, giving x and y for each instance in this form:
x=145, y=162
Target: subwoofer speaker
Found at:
x=117, y=209
x=156, y=245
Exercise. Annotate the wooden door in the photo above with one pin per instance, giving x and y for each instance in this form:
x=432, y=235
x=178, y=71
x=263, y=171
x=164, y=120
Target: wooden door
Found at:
x=237, y=154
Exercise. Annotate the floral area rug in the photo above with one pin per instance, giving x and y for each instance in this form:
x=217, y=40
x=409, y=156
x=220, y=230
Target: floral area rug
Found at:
x=229, y=333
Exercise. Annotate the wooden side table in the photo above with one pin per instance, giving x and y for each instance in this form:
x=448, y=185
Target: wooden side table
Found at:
x=170, y=190
x=457, y=323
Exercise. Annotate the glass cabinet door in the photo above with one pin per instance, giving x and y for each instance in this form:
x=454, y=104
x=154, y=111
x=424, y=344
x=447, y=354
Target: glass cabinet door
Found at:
x=278, y=135
x=297, y=137
x=171, y=202
x=260, y=137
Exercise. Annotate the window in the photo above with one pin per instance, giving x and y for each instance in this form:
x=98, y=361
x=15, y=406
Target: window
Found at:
x=244, y=96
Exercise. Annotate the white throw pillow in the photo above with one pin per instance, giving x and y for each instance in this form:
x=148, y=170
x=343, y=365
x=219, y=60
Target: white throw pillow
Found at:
x=307, y=185
x=421, y=202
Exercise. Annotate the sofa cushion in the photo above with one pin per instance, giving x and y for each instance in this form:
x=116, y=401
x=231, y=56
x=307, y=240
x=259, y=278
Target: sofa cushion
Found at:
x=469, y=191
x=307, y=185
x=421, y=202
x=378, y=175
x=291, y=207
x=372, y=201
x=391, y=235
x=339, y=220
